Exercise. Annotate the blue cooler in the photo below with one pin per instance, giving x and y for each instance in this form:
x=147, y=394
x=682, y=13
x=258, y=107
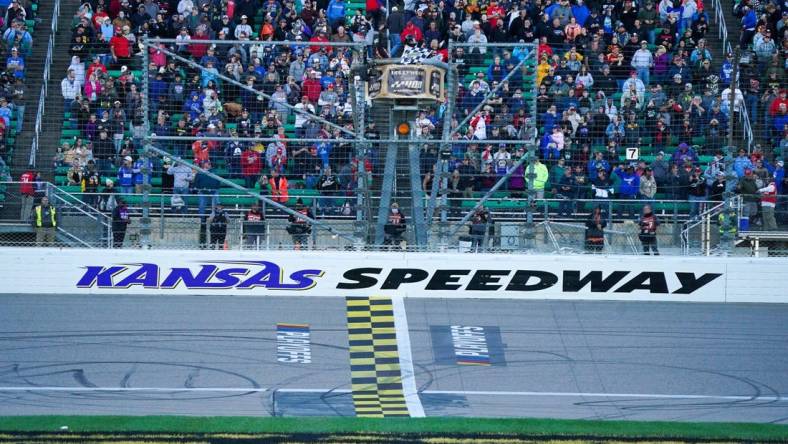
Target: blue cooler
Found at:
x=744, y=223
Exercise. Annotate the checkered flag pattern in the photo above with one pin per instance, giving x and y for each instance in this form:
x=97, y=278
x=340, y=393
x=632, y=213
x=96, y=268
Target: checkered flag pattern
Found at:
x=374, y=359
x=415, y=55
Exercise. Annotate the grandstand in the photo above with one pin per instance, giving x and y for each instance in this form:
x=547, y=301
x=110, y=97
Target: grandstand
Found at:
x=639, y=91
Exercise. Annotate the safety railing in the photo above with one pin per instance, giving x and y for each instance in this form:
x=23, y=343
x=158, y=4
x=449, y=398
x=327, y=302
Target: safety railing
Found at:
x=44, y=86
x=722, y=28
x=747, y=133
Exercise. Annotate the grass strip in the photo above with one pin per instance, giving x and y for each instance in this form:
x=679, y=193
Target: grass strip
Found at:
x=433, y=425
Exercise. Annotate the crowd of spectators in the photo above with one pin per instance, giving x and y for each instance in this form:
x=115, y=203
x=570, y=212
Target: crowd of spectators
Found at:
x=609, y=75
x=613, y=76
x=17, y=18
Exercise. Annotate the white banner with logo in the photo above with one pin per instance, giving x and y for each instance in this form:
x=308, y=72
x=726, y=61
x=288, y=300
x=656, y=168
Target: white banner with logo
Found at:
x=446, y=275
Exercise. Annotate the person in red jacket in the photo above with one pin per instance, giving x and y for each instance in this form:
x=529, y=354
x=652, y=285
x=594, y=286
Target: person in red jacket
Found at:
x=322, y=38
x=120, y=47
x=251, y=165
x=311, y=87
x=413, y=31
x=28, y=191
x=198, y=50
x=96, y=66
x=774, y=107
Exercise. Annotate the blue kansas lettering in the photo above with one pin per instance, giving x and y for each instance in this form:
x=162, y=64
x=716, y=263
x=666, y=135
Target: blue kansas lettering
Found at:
x=208, y=276
x=178, y=275
x=99, y=276
x=147, y=276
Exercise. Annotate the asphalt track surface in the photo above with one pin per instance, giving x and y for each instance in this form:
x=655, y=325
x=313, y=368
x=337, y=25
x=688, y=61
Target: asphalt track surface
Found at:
x=214, y=355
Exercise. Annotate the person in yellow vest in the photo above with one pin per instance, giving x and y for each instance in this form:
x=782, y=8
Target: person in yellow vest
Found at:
x=45, y=222
x=540, y=179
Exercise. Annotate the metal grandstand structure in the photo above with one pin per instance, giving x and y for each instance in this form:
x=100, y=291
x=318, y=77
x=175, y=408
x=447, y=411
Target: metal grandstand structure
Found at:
x=400, y=175
x=379, y=166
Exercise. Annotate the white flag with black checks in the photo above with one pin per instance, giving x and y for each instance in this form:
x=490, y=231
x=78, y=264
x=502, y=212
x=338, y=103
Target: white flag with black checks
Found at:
x=415, y=55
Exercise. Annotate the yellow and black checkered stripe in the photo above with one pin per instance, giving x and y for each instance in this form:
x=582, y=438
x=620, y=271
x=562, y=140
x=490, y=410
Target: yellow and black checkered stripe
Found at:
x=374, y=359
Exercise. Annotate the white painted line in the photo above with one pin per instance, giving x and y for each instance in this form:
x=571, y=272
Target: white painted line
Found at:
x=412, y=399
x=426, y=392
x=133, y=389
x=605, y=395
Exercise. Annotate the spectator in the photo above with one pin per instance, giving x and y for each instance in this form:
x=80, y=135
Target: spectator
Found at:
x=71, y=90
x=768, y=204
x=126, y=176
x=748, y=190
x=208, y=188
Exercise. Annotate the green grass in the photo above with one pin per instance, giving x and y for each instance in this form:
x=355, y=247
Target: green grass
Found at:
x=434, y=425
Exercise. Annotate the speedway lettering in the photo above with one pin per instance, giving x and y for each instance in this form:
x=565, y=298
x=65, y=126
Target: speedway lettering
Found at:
x=217, y=275
x=572, y=281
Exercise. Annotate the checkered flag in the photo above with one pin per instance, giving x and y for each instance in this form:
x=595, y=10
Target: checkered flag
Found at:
x=415, y=55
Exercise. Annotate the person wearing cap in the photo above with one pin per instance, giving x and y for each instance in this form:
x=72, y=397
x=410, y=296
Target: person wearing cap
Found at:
x=648, y=184
x=648, y=224
x=119, y=48
x=126, y=176
x=243, y=28
x=768, y=204
x=718, y=187
x=395, y=23
x=642, y=61
x=741, y=163
x=747, y=188
x=684, y=154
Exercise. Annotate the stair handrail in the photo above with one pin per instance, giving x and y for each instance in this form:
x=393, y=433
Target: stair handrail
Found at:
x=44, y=86
x=722, y=27
x=703, y=218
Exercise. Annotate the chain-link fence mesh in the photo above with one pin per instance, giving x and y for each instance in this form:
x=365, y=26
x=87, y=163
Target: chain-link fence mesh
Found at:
x=620, y=104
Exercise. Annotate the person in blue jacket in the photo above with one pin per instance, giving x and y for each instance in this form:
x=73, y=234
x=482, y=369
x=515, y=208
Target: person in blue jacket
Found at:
x=335, y=13
x=126, y=176
x=139, y=174
x=595, y=163
x=628, y=189
x=748, y=24
x=741, y=163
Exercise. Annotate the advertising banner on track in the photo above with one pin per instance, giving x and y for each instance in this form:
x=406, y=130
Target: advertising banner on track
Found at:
x=449, y=275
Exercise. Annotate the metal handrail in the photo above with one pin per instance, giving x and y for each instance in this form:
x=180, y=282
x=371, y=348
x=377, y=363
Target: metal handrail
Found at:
x=744, y=117
x=44, y=86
